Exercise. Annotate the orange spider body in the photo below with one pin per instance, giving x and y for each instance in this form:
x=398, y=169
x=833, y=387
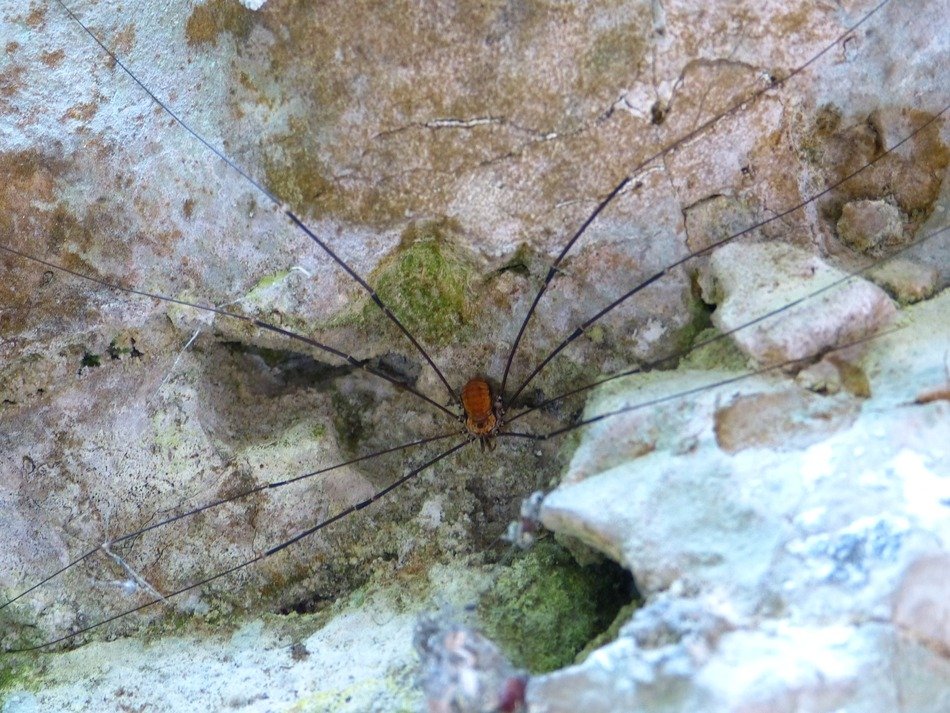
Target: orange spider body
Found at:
x=478, y=402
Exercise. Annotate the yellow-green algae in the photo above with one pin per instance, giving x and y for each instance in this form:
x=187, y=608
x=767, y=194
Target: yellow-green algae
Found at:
x=14, y=677
x=709, y=355
x=264, y=283
x=341, y=698
x=17, y=671
x=260, y=298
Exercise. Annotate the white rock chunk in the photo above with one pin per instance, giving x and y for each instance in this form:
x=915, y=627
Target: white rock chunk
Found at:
x=749, y=282
x=785, y=575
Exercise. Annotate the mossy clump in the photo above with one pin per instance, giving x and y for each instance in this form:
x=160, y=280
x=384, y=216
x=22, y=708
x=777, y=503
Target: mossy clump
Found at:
x=123, y=346
x=17, y=671
x=9, y=680
x=90, y=360
x=427, y=284
x=545, y=608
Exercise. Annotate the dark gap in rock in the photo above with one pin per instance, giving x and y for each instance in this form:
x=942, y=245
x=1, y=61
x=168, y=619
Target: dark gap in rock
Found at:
x=397, y=366
x=278, y=371
x=90, y=360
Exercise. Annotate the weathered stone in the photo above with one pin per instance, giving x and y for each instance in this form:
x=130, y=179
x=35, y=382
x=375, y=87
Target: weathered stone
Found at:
x=749, y=282
x=804, y=550
x=921, y=607
x=908, y=281
x=867, y=226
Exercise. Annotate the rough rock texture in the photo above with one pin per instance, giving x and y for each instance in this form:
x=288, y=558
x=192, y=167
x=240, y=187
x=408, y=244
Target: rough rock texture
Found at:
x=920, y=606
x=869, y=226
x=779, y=575
x=464, y=671
x=358, y=656
x=748, y=282
x=446, y=153
x=908, y=281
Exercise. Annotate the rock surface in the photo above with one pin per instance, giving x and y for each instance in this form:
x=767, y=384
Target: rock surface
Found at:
x=749, y=282
x=870, y=226
x=783, y=575
x=489, y=133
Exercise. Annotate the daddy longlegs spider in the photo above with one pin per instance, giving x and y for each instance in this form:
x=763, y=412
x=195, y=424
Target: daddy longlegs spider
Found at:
x=235, y=454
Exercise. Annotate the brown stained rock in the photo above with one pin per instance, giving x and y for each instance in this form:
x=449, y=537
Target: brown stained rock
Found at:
x=921, y=605
x=853, y=378
x=215, y=17
x=787, y=420
x=834, y=374
x=714, y=219
x=840, y=148
x=908, y=281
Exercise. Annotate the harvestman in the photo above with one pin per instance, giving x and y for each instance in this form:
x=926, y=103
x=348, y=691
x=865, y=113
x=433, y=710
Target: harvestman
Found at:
x=484, y=415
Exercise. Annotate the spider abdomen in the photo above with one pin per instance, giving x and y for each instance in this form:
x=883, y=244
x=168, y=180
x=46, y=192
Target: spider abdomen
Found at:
x=477, y=400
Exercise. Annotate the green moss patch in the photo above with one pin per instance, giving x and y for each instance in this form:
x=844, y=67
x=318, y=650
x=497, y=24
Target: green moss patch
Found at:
x=11, y=679
x=714, y=352
x=546, y=608
x=90, y=360
x=427, y=284
x=17, y=671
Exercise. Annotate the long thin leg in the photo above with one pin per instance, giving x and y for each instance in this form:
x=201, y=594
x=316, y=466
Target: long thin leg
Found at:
x=683, y=394
x=553, y=270
x=261, y=556
x=215, y=503
x=353, y=361
x=270, y=196
x=578, y=331
x=676, y=356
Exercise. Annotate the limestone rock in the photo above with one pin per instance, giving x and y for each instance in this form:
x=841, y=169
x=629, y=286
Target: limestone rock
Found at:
x=749, y=281
x=813, y=571
x=868, y=226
